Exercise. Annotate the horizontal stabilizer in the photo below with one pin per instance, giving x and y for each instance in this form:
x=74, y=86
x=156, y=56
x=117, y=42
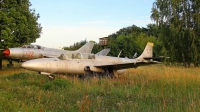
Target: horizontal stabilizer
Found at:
x=160, y=57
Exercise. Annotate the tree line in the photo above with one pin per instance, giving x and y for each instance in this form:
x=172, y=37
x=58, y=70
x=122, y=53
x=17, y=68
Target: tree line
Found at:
x=179, y=29
x=128, y=40
x=176, y=32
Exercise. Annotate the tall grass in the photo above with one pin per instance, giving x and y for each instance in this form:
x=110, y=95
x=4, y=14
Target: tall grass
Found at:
x=150, y=88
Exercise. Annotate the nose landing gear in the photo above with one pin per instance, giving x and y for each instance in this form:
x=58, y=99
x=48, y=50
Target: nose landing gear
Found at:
x=51, y=77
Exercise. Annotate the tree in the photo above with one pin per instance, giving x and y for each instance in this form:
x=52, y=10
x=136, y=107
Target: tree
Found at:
x=179, y=23
x=18, y=23
x=153, y=30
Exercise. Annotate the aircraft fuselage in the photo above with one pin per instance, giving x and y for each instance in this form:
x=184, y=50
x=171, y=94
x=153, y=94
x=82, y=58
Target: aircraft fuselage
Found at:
x=27, y=53
x=73, y=66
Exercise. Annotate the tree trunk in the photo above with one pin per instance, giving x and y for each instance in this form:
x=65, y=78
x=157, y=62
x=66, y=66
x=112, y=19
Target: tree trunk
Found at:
x=183, y=58
x=0, y=54
x=1, y=62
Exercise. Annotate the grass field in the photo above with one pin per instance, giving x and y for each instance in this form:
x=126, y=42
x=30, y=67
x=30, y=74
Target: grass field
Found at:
x=145, y=89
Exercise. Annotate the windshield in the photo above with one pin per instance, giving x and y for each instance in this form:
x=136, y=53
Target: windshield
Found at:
x=31, y=46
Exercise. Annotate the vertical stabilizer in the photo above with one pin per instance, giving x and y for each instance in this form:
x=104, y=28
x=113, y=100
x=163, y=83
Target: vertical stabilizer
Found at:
x=148, y=51
x=87, y=48
x=103, y=52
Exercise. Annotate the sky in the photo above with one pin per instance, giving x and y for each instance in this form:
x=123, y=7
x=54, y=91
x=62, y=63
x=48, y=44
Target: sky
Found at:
x=65, y=22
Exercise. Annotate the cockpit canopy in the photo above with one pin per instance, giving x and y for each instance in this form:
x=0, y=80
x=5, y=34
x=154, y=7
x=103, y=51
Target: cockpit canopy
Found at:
x=32, y=46
x=76, y=56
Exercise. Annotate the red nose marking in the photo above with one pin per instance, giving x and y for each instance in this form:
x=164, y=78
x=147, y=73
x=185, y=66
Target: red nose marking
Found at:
x=6, y=52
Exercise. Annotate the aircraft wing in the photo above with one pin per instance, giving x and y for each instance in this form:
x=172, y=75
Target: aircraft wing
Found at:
x=126, y=65
x=50, y=56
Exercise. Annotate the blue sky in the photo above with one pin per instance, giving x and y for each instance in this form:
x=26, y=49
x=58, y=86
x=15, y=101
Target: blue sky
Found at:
x=65, y=22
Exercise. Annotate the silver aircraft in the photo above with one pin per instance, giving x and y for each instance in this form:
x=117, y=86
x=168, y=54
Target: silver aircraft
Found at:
x=28, y=52
x=90, y=64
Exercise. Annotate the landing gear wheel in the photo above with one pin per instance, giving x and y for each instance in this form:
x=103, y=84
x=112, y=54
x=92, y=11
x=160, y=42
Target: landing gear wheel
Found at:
x=51, y=77
x=10, y=65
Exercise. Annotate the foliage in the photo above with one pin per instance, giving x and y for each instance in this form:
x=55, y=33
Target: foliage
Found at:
x=179, y=23
x=18, y=23
x=134, y=39
x=97, y=48
x=129, y=40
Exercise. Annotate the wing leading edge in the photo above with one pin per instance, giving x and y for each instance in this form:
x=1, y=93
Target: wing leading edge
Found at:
x=126, y=65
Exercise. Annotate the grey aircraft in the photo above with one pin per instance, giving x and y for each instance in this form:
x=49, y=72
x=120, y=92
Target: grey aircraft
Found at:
x=28, y=52
x=91, y=64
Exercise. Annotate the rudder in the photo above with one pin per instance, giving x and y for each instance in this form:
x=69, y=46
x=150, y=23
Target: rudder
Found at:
x=148, y=51
x=87, y=48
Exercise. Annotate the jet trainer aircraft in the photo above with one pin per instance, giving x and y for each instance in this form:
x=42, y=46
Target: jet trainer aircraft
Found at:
x=90, y=64
x=28, y=52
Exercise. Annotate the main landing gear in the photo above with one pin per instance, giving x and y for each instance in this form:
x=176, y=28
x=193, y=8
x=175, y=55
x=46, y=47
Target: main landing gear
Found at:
x=10, y=65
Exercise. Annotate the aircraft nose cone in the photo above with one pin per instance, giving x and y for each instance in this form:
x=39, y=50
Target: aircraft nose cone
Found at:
x=27, y=65
x=32, y=65
x=6, y=52
x=24, y=65
x=41, y=65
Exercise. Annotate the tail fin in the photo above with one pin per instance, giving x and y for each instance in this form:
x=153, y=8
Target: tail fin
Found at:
x=103, y=52
x=147, y=53
x=87, y=48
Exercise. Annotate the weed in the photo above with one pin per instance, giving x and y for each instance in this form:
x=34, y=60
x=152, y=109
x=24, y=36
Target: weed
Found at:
x=148, y=88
